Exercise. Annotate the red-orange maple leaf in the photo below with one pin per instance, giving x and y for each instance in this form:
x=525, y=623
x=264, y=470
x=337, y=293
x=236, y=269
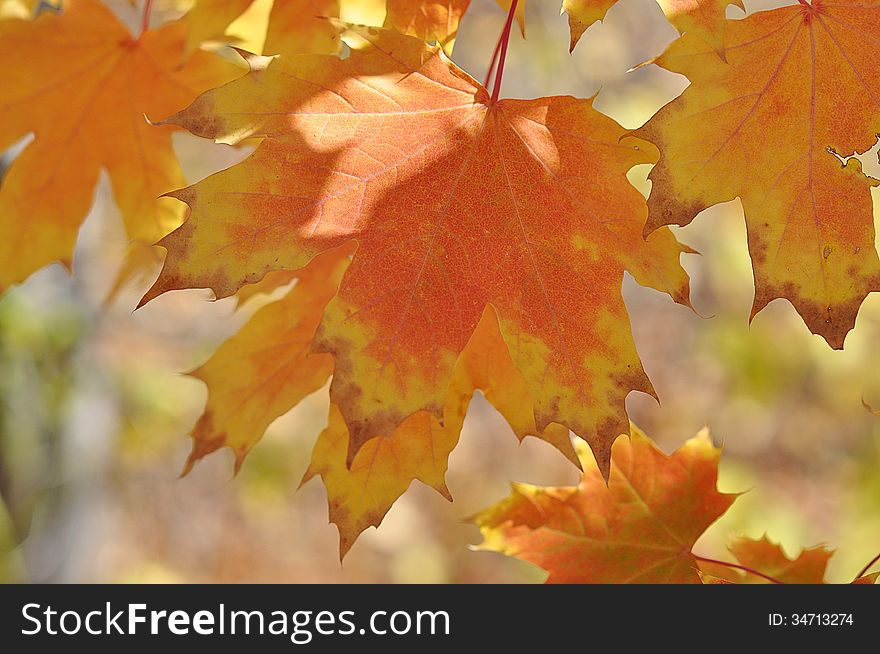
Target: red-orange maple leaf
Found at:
x=457, y=202
x=640, y=528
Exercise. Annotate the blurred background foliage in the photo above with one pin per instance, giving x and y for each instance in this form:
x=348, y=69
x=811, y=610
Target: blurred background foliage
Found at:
x=96, y=409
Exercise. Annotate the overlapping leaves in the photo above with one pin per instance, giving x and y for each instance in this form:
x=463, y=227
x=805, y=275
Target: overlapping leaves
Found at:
x=642, y=526
x=444, y=241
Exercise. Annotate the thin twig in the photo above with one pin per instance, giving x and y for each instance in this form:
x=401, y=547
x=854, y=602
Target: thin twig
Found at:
x=505, y=38
x=737, y=566
x=145, y=19
x=869, y=566
x=493, y=62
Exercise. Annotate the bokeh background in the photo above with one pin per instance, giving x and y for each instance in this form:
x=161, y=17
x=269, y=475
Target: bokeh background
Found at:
x=95, y=408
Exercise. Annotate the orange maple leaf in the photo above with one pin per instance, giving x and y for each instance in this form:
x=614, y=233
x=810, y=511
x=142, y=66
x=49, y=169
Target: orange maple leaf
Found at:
x=82, y=84
x=770, y=128
x=762, y=561
x=640, y=528
x=768, y=558
x=457, y=202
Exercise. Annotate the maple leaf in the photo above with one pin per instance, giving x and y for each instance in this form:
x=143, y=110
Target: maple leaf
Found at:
x=768, y=558
x=82, y=84
x=294, y=26
x=457, y=202
x=640, y=528
x=769, y=127
x=429, y=20
x=762, y=561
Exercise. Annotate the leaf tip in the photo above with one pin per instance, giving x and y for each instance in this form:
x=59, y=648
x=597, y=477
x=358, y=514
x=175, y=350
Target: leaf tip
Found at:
x=256, y=63
x=647, y=62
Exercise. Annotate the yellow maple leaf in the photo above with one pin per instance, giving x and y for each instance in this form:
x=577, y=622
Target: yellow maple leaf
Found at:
x=771, y=127
x=82, y=84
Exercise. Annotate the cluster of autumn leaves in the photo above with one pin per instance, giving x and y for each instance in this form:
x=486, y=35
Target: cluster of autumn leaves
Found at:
x=443, y=240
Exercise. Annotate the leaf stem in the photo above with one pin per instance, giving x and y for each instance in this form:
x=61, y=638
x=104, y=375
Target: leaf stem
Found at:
x=869, y=566
x=493, y=62
x=145, y=18
x=737, y=566
x=505, y=38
